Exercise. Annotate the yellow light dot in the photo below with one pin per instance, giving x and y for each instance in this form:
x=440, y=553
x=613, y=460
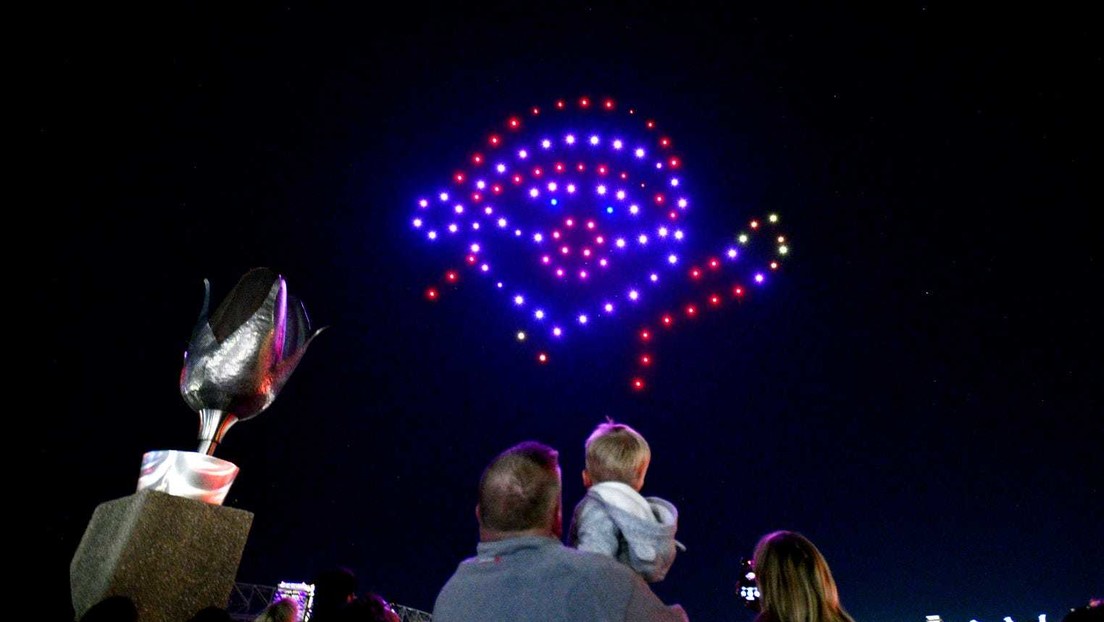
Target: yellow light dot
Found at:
x=773, y=218
x=521, y=335
x=782, y=250
x=743, y=238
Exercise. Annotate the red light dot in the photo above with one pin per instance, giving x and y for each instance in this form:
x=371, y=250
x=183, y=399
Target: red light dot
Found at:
x=584, y=102
x=602, y=170
x=517, y=179
x=650, y=124
x=638, y=384
x=714, y=263
x=645, y=360
x=535, y=111
x=624, y=175
x=542, y=358
x=645, y=335
x=672, y=215
x=478, y=159
x=665, y=142
x=691, y=310
x=476, y=197
x=431, y=294
x=494, y=140
x=737, y=291
x=668, y=320
x=715, y=300
x=673, y=163
x=514, y=123
x=559, y=167
x=570, y=222
x=774, y=265
x=695, y=273
x=471, y=259
x=497, y=189
x=561, y=104
x=608, y=104
x=659, y=198
x=459, y=177
x=755, y=224
x=537, y=172
x=451, y=276
x=581, y=167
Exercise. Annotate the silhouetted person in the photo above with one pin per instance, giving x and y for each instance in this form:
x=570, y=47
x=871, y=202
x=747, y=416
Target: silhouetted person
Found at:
x=522, y=572
x=115, y=608
x=370, y=607
x=795, y=582
x=334, y=588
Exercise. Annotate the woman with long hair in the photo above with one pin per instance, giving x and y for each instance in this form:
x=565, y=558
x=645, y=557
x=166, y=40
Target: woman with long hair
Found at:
x=795, y=583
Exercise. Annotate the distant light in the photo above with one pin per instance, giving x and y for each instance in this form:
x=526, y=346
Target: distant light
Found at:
x=546, y=143
x=519, y=300
x=654, y=277
x=679, y=234
x=534, y=192
x=782, y=250
x=539, y=314
x=443, y=196
x=523, y=154
x=501, y=168
x=608, y=307
x=521, y=335
x=417, y=222
x=639, y=153
x=620, y=243
x=594, y=140
x=643, y=239
x=452, y=228
x=582, y=318
x=617, y=144
x=672, y=259
x=634, y=295
x=759, y=277
x=634, y=209
x=557, y=331
x=537, y=237
x=570, y=139
x=501, y=222
x=601, y=189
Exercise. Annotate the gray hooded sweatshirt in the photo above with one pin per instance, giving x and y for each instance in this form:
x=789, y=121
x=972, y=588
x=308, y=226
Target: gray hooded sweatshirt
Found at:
x=615, y=520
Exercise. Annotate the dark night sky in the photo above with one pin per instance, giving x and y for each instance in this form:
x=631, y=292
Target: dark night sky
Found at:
x=920, y=393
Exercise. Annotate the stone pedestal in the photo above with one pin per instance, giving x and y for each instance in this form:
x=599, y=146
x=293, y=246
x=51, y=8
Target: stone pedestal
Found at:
x=171, y=555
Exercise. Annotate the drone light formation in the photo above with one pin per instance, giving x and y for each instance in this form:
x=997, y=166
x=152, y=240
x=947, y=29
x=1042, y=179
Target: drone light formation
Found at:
x=578, y=214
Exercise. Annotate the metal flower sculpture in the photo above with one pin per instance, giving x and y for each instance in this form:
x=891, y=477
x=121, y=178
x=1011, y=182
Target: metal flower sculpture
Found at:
x=238, y=362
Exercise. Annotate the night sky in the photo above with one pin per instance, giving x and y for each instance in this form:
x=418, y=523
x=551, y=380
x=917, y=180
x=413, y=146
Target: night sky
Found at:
x=918, y=391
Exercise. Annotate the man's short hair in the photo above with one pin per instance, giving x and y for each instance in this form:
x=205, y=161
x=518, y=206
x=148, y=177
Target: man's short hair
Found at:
x=520, y=488
x=616, y=452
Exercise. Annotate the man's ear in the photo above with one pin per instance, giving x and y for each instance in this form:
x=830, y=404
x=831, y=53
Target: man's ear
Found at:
x=478, y=515
x=557, y=521
x=586, y=479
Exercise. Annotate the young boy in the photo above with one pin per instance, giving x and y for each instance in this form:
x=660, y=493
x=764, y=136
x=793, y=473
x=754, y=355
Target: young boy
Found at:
x=613, y=518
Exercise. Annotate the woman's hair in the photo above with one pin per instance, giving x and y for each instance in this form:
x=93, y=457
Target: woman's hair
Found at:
x=282, y=610
x=616, y=452
x=795, y=582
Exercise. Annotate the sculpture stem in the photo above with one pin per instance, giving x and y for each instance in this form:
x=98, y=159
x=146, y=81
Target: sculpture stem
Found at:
x=213, y=425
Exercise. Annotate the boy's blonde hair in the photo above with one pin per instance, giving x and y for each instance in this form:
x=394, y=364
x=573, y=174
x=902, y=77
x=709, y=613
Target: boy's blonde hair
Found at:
x=616, y=452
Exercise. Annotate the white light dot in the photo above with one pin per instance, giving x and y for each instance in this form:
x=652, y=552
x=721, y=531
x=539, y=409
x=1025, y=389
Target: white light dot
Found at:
x=570, y=139
x=534, y=193
x=582, y=319
x=519, y=300
x=501, y=168
x=654, y=277
x=682, y=203
x=782, y=250
x=633, y=294
x=571, y=188
x=643, y=239
x=444, y=196
x=501, y=222
x=539, y=314
x=674, y=182
x=594, y=140
x=608, y=307
x=423, y=203
x=639, y=153
x=557, y=331
x=475, y=248
x=521, y=335
x=551, y=186
x=546, y=143
x=488, y=210
x=617, y=144
x=620, y=195
x=601, y=189
x=452, y=228
x=523, y=154
x=432, y=235
x=538, y=237
x=679, y=234
x=672, y=259
x=620, y=243
x=634, y=209
x=662, y=232
x=481, y=184
x=732, y=253
x=417, y=222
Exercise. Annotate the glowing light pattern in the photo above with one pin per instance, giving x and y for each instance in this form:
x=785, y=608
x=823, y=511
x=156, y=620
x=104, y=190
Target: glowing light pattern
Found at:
x=579, y=213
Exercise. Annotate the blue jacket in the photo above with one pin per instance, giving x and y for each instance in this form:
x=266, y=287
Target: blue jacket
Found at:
x=538, y=579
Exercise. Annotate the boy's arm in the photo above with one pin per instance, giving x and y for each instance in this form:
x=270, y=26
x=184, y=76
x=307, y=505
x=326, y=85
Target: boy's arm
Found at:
x=593, y=530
